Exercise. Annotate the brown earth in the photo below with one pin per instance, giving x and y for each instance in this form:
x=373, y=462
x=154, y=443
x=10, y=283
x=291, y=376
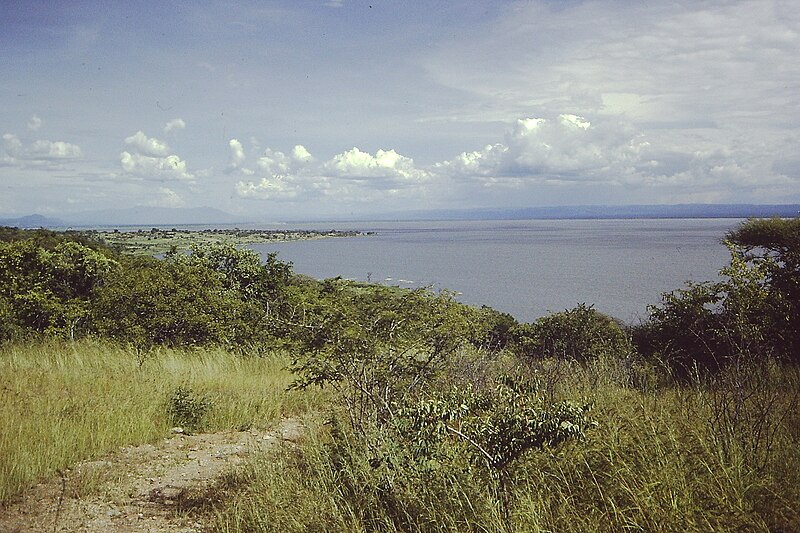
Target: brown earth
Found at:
x=173, y=485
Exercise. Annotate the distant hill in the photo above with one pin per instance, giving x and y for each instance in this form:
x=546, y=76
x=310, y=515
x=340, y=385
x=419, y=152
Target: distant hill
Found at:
x=32, y=221
x=156, y=216
x=605, y=212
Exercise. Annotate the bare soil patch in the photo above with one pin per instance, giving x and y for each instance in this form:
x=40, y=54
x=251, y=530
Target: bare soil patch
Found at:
x=172, y=485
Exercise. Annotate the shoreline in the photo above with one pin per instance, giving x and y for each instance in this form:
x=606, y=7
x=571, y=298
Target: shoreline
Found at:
x=158, y=241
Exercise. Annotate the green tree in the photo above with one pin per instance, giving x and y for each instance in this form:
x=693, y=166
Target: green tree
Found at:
x=377, y=345
x=579, y=334
x=497, y=424
x=165, y=302
x=50, y=290
x=774, y=244
x=709, y=325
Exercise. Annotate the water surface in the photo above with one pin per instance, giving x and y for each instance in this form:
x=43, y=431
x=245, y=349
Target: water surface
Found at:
x=526, y=268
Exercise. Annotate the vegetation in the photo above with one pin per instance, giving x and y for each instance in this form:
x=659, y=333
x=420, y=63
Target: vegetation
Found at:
x=159, y=241
x=438, y=416
x=64, y=402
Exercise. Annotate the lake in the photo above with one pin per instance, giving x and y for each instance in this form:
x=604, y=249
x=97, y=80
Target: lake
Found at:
x=526, y=268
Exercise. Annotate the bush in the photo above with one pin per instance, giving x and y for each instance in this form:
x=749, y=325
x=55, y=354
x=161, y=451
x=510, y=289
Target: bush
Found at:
x=187, y=409
x=578, y=334
x=708, y=326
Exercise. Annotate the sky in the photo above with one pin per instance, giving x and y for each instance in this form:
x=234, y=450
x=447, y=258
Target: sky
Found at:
x=299, y=109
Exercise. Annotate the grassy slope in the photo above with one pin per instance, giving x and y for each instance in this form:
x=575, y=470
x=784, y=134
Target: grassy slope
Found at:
x=61, y=402
x=658, y=461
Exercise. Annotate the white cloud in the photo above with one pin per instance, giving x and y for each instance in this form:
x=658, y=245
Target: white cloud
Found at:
x=299, y=153
x=572, y=151
x=34, y=123
x=298, y=161
x=385, y=165
x=273, y=188
x=12, y=148
x=237, y=159
x=170, y=167
x=237, y=153
x=352, y=175
x=567, y=148
x=174, y=125
x=148, y=146
x=55, y=150
x=150, y=158
x=41, y=153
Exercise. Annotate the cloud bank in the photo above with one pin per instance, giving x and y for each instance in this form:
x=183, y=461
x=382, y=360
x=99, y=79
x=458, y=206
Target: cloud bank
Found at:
x=150, y=159
x=352, y=175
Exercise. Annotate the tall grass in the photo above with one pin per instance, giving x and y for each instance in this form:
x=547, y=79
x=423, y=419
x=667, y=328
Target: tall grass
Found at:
x=659, y=460
x=63, y=402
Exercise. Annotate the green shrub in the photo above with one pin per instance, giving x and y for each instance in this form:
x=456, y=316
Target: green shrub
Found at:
x=187, y=409
x=579, y=334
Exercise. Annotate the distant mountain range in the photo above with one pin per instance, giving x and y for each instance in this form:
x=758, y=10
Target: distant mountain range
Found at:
x=163, y=216
x=606, y=212
x=134, y=216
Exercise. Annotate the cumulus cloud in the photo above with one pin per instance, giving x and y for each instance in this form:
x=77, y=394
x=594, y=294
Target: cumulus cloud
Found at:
x=567, y=148
x=386, y=166
x=55, y=150
x=273, y=188
x=34, y=123
x=570, y=150
x=237, y=153
x=37, y=153
x=174, y=125
x=164, y=168
x=350, y=175
x=148, y=146
x=150, y=158
x=567, y=151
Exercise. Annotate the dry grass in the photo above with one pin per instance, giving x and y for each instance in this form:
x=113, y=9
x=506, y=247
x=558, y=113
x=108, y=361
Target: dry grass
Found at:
x=64, y=402
x=658, y=461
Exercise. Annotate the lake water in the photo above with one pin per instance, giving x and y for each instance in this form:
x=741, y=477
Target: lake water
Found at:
x=527, y=268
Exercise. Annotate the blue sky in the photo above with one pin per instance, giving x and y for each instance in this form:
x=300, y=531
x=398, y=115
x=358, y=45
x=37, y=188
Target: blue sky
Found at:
x=289, y=109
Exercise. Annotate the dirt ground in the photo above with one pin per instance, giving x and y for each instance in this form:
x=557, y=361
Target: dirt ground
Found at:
x=172, y=485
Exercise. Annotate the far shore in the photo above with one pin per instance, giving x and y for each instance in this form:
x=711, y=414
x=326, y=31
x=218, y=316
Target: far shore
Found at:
x=159, y=241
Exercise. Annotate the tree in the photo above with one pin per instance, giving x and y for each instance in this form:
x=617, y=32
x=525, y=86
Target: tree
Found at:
x=50, y=290
x=579, y=334
x=497, y=424
x=774, y=244
x=707, y=326
x=376, y=345
x=174, y=303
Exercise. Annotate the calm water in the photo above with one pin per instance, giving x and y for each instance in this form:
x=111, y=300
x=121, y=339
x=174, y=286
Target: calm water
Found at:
x=526, y=268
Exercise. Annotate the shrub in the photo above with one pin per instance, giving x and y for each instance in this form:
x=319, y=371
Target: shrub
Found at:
x=578, y=334
x=187, y=409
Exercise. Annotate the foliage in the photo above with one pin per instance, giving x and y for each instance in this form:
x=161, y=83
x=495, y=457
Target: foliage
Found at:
x=187, y=409
x=50, y=290
x=774, y=245
x=493, y=329
x=242, y=270
x=377, y=345
x=172, y=303
x=579, y=334
x=500, y=424
x=49, y=239
x=710, y=325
